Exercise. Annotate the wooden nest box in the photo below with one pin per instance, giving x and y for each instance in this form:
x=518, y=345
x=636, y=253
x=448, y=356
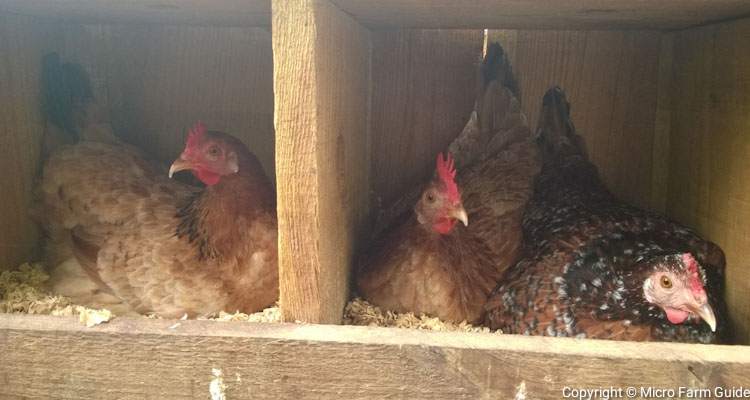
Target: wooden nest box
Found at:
x=346, y=102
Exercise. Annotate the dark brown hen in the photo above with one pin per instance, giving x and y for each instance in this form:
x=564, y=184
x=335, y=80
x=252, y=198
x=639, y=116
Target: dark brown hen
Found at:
x=422, y=261
x=595, y=267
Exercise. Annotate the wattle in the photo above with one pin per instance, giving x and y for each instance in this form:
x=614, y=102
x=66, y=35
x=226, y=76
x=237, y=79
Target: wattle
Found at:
x=676, y=316
x=207, y=177
x=444, y=226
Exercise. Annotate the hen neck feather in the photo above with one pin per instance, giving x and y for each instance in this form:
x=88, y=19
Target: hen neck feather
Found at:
x=216, y=219
x=606, y=277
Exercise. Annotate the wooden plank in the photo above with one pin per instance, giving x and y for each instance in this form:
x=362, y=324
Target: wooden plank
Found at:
x=201, y=12
x=661, y=149
x=322, y=87
x=57, y=358
x=611, y=79
x=21, y=126
x=710, y=149
x=424, y=85
x=547, y=14
x=450, y=14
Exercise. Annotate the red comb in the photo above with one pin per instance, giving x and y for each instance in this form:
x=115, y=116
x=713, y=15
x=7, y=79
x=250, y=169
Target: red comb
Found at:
x=696, y=283
x=195, y=135
x=447, y=174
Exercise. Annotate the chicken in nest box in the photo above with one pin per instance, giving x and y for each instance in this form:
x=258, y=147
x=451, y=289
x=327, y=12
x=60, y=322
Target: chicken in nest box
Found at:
x=444, y=256
x=153, y=243
x=595, y=267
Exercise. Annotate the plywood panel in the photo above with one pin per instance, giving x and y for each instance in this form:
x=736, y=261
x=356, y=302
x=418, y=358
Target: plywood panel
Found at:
x=57, y=358
x=21, y=127
x=157, y=80
x=611, y=79
x=547, y=14
x=450, y=14
x=322, y=84
x=709, y=185
x=424, y=84
x=214, y=12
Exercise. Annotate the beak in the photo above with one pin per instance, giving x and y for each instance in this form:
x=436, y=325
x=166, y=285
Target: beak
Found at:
x=460, y=214
x=706, y=313
x=179, y=165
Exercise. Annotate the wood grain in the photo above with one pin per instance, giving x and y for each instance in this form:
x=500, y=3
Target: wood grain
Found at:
x=57, y=358
x=21, y=128
x=322, y=86
x=449, y=14
x=424, y=85
x=546, y=14
x=611, y=79
x=662, y=125
x=214, y=12
x=709, y=186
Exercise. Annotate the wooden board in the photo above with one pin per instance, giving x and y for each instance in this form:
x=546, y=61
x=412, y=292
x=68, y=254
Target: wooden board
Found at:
x=57, y=358
x=662, y=125
x=547, y=14
x=709, y=185
x=611, y=79
x=214, y=12
x=21, y=128
x=322, y=86
x=451, y=14
x=424, y=85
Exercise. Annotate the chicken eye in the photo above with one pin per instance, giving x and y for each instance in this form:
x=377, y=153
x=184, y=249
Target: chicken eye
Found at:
x=666, y=283
x=214, y=151
x=430, y=197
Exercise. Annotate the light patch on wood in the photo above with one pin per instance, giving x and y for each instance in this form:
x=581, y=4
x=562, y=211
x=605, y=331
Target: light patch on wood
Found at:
x=217, y=388
x=521, y=391
x=90, y=317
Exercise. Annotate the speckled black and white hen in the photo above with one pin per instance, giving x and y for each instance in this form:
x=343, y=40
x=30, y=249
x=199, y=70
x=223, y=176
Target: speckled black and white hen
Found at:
x=595, y=267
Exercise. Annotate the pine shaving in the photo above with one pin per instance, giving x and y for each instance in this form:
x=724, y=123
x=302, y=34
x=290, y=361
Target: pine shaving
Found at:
x=360, y=312
x=22, y=291
x=269, y=315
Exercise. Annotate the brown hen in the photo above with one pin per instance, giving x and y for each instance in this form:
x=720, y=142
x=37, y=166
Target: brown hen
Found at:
x=159, y=245
x=422, y=261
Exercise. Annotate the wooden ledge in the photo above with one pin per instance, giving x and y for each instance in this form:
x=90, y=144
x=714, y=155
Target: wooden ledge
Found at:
x=56, y=357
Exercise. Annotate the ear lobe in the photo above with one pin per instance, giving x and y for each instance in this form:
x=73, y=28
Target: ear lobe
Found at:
x=420, y=218
x=232, y=163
